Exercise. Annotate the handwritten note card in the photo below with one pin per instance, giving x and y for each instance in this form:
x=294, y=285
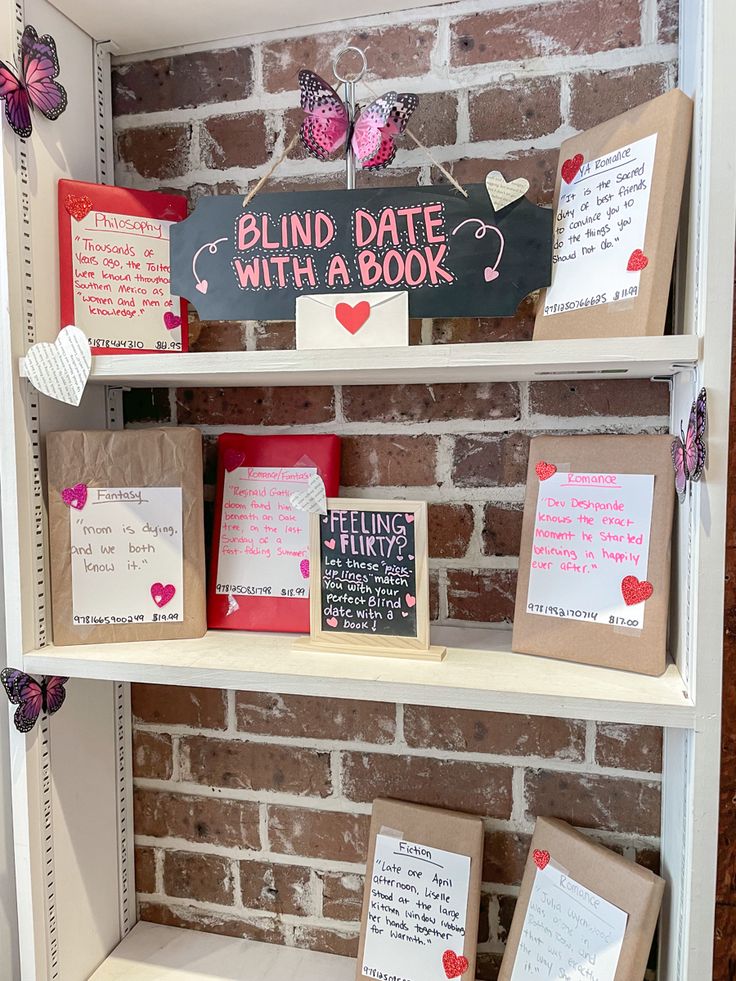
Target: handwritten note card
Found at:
x=121, y=275
x=368, y=572
x=601, y=221
x=418, y=906
x=264, y=540
x=591, y=530
x=126, y=547
x=569, y=933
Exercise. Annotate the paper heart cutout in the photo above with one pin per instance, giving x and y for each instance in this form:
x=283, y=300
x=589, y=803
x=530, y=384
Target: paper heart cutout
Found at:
x=162, y=594
x=570, y=168
x=233, y=459
x=304, y=568
x=635, y=590
x=353, y=318
x=171, y=321
x=410, y=600
x=331, y=622
x=60, y=370
x=489, y=274
x=502, y=192
x=75, y=497
x=541, y=858
x=202, y=286
x=545, y=470
x=454, y=964
x=637, y=261
x=312, y=497
x=77, y=205
x=329, y=543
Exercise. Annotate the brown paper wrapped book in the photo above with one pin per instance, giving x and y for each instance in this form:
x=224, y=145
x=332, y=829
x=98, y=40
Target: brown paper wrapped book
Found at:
x=126, y=535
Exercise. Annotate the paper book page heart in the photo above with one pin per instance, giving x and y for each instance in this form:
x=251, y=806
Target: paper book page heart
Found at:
x=637, y=261
x=545, y=470
x=77, y=205
x=311, y=498
x=570, y=168
x=161, y=594
x=541, y=858
x=502, y=192
x=635, y=590
x=353, y=318
x=60, y=370
x=454, y=964
x=171, y=321
x=75, y=497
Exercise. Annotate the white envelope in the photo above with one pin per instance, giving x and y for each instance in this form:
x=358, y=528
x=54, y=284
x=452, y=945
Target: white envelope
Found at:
x=352, y=320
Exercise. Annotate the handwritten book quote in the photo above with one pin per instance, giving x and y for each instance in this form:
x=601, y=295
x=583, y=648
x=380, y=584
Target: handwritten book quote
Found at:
x=417, y=910
x=570, y=933
x=601, y=221
x=126, y=556
x=264, y=541
x=591, y=530
x=368, y=572
x=121, y=272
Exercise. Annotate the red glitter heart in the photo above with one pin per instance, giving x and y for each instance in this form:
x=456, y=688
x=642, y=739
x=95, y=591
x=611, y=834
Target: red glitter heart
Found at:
x=353, y=318
x=454, y=964
x=571, y=167
x=635, y=590
x=541, y=858
x=545, y=470
x=637, y=261
x=78, y=206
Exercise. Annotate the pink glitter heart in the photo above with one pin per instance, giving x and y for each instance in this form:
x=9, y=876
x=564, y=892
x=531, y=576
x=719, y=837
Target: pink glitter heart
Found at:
x=171, y=321
x=75, y=497
x=304, y=568
x=162, y=594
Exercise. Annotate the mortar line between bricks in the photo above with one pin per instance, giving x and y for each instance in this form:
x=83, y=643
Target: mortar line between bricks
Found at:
x=590, y=735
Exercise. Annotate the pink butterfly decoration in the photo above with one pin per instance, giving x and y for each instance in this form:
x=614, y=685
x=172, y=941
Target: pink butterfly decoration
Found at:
x=372, y=137
x=33, y=86
x=689, y=451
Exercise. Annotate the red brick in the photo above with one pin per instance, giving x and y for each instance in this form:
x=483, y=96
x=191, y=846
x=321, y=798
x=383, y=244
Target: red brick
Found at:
x=504, y=857
x=215, y=335
x=182, y=81
x=329, y=835
x=158, y=152
x=342, y=896
x=460, y=730
x=289, y=889
x=145, y=869
x=389, y=461
x=393, y=51
x=335, y=181
x=506, y=907
x=430, y=403
x=192, y=918
x=152, y=755
x=598, y=96
x=204, y=820
x=192, y=875
x=450, y=530
x=479, y=788
x=240, y=140
x=482, y=596
x=495, y=460
x=624, y=397
x=275, y=336
x=434, y=122
x=487, y=966
x=484, y=922
x=255, y=406
x=538, y=166
x=202, y=708
x=629, y=747
x=251, y=766
x=724, y=960
x=569, y=27
x=668, y=12
x=472, y=330
x=592, y=801
x=146, y=405
x=649, y=858
x=501, y=532
x=434, y=595
x=315, y=718
x=523, y=109
x=195, y=192
x=326, y=940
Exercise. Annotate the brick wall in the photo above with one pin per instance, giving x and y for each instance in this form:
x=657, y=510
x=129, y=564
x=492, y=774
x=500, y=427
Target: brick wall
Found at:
x=252, y=810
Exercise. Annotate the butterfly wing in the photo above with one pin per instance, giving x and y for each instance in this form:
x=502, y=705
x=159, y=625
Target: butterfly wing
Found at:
x=368, y=132
x=403, y=106
x=30, y=704
x=325, y=126
x=678, y=462
x=17, y=101
x=40, y=66
x=55, y=693
x=11, y=678
x=695, y=449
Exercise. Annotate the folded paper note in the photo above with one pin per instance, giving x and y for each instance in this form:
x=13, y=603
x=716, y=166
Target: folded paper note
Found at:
x=351, y=320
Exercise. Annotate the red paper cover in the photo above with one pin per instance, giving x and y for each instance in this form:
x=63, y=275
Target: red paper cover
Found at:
x=268, y=612
x=115, y=201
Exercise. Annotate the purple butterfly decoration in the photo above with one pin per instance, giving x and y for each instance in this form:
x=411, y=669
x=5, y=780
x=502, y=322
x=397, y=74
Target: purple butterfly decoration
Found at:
x=32, y=697
x=372, y=136
x=689, y=451
x=33, y=86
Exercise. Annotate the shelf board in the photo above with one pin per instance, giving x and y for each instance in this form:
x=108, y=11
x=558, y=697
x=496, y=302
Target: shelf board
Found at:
x=161, y=953
x=479, y=672
x=598, y=357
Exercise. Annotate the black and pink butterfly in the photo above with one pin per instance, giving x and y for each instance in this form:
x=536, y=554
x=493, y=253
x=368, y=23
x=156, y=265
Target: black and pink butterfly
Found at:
x=32, y=697
x=372, y=136
x=688, y=449
x=33, y=86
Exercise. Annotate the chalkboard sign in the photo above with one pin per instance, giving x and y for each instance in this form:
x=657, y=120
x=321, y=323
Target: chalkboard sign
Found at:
x=456, y=256
x=369, y=589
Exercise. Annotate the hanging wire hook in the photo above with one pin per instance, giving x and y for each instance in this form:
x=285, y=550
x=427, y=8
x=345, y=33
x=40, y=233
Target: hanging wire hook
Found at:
x=347, y=80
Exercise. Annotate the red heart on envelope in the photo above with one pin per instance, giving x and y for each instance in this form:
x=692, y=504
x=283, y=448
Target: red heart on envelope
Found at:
x=353, y=318
x=77, y=205
x=454, y=964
